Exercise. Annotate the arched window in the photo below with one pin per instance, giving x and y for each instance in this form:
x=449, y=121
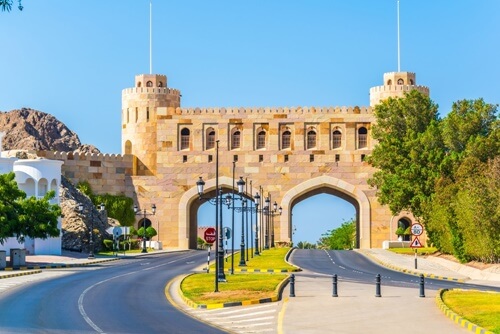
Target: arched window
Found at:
x=389, y=82
x=362, y=137
x=401, y=82
x=311, y=139
x=138, y=84
x=185, y=139
x=210, y=139
x=261, y=139
x=337, y=139
x=235, y=140
x=285, y=139
x=160, y=84
x=149, y=84
x=411, y=82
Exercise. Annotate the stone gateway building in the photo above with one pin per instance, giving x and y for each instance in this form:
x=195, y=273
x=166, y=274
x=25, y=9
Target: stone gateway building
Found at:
x=288, y=155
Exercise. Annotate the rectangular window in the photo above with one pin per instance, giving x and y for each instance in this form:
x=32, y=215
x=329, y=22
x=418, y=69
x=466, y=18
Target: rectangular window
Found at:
x=363, y=140
x=337, y=157
x=210, y=158
x=184, y=158
x=235, y=158
x=311, y=157
x=184, y=142
x=261, y=158
x=136, y=114
x=363, y=157
x=286, y=157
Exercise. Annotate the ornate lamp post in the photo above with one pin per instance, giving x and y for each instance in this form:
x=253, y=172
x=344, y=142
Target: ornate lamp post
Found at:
x=144, y=213
x=270, y=213
x=220, y=276
x=100, y=209
x=257, y=202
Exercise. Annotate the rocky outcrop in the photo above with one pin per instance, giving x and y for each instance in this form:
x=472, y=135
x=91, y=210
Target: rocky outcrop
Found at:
x=76, y=225
x=29, y=129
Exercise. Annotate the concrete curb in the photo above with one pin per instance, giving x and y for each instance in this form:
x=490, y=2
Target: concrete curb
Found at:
x=275, y=298
x=60, y=265
x=412, y=272
x=256, y=270
x=456, y=318
x=31, y=272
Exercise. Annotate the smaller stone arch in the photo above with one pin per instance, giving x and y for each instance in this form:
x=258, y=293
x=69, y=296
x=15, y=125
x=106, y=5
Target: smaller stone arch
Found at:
x=149, y=84
x=128, y=147
x=389, y=82
x=401, y=81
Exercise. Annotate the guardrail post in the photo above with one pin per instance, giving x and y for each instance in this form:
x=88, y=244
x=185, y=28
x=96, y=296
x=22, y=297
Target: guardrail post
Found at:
x=377, y=286
x=292, y=285
x=422, y=288
x=335, y=286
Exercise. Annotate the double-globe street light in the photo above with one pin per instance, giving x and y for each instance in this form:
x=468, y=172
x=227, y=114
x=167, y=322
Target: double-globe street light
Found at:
x=220, y=276
x=144, y=213
x=100, y=209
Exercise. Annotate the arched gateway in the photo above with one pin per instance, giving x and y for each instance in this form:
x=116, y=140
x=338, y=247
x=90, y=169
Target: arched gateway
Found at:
x=287, y=153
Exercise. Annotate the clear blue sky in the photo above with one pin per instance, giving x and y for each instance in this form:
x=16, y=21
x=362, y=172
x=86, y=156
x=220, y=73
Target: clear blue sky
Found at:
x=72, y=58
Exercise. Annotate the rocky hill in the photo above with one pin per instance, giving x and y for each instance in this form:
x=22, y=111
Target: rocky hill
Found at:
x=29, y=129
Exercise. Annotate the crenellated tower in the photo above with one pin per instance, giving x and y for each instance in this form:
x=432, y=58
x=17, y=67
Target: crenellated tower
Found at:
x=395, y=85
x=149, y=100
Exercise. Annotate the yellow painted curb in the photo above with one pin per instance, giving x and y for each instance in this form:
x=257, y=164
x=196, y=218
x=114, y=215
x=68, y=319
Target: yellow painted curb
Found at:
x=456, y=318
x=275, y=298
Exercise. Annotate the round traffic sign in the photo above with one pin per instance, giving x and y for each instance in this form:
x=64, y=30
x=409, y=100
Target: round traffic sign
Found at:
x=210, y=235
x=417, y=229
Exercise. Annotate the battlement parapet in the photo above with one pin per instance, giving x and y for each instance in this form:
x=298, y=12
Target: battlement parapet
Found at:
x=398, y=88
x=274, y=110
x=57, y=155
x=395, y=73
x=151, y=90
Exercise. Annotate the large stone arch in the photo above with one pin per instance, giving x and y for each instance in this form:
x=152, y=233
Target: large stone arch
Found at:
x=343, y=189
x=189, y=205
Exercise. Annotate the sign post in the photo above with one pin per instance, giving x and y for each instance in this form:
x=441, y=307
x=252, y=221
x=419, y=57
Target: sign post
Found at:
x=210, y=236
x=416, y=230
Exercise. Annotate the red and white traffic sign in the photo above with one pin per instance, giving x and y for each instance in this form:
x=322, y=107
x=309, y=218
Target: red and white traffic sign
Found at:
x=210, y=235
x=417, y=229
x=416, y=243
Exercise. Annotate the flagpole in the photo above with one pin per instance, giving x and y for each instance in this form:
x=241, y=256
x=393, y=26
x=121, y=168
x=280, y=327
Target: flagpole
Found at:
x=150, y=37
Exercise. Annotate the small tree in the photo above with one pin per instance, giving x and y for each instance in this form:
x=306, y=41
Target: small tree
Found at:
x=6, y=5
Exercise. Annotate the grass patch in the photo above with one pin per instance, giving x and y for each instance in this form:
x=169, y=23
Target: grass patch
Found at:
x=411, y=251
x=273, y=258
x=200, y=287
x=121, y=252
x=480, y=308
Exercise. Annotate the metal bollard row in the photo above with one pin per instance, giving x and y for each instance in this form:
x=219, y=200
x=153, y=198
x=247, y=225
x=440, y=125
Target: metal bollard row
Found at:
x=378, y=282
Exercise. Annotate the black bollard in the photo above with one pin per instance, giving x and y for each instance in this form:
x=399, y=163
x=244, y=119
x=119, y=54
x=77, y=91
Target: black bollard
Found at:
x=422, y=288
x=377, y=286
x=292, y=285
x=335, y=286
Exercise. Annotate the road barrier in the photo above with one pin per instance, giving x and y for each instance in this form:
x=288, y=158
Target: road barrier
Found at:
x=334, y=294
x=292, y=285
x=377, y=286
x=422, y=288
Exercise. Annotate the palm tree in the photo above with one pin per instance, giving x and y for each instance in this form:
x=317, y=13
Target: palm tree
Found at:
x=6, y=5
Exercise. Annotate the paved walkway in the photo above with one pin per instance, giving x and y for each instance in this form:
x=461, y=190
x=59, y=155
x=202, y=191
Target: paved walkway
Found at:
x=356, y=309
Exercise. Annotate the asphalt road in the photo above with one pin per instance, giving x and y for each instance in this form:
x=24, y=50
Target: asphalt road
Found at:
x=117, y=297
x=354, y=267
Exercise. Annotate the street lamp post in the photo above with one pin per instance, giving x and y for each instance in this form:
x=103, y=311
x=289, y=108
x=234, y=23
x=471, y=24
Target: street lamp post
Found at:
x=100, y=209
x=144, y=213
x=270, y=219
x=217, y=201
x=257, y=202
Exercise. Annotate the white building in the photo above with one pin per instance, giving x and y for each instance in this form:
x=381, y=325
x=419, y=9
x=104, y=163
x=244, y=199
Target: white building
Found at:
x=35, y=177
